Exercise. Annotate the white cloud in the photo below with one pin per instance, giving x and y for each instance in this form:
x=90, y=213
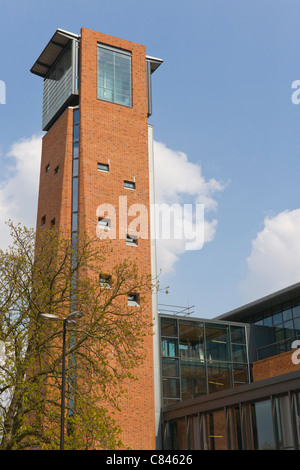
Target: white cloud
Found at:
x=18, y=194
x=177, y=180
x=274, y=261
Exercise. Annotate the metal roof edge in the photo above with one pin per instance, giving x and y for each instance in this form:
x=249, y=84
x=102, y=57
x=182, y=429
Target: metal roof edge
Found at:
x=40, y=67
x=155, y=62
x=282, y=295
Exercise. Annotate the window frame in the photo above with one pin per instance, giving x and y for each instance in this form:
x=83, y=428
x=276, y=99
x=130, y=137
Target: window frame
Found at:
x=131, y=240
x=133, y=300
x=104, y=167
x=104, y=223
x=105, y=281
x=129, y=185
x=116, y=51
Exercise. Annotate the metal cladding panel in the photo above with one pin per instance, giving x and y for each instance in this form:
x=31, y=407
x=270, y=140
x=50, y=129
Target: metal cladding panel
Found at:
x=58, y=86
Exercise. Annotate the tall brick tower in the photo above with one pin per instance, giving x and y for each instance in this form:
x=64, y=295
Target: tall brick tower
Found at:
x=98, y=147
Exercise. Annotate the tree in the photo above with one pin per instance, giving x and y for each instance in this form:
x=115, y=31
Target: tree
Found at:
x=38, y=275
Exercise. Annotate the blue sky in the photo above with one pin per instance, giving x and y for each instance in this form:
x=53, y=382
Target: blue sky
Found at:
x=222, y=97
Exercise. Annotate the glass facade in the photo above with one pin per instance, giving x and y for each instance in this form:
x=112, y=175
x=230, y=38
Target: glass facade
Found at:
x=114, y=75
x=213, y=356
x=271, y=423
x=283, y=326
x=201, y=357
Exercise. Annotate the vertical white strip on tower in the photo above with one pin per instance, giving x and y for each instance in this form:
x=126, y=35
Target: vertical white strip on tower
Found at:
x=156, y=335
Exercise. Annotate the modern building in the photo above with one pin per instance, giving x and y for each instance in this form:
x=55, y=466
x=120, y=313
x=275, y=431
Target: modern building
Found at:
x=224, y=383
x=201, y=356
x=98, y=150
x=233, y=382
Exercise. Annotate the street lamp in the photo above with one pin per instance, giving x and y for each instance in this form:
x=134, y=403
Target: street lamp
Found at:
x=71, y=318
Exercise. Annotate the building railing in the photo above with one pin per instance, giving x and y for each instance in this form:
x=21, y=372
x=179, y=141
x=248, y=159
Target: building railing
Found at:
x=176, y=309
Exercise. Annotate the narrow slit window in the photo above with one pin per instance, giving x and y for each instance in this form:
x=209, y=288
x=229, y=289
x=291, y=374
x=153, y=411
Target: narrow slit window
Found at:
x=43, y=220
x=133, y=300
x=47, y=168
x=103, y=167
x=52, y=222
x=74, y=221
x=75, y=168
x=129, y=184
x=56, y=170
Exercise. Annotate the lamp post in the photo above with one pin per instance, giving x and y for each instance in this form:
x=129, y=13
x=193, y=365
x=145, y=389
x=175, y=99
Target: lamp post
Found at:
x=71, y=318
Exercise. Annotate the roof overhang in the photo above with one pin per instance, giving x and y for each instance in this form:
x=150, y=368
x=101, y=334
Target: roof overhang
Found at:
x=58, y=43
x=280, y=297
x=55, y=46
x=154, y=62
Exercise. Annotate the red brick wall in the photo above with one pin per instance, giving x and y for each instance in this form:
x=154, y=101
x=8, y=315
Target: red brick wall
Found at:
x=273, y=366
x=118, y=134
x=111, y=132
x=55, y=189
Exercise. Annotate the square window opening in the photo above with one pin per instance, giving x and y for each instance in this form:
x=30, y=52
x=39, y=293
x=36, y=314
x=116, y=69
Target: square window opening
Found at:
x=105, y=281
x=104, y=223
x=103, y=167
x=131, y=240
x=133, y=300
x=129, y=184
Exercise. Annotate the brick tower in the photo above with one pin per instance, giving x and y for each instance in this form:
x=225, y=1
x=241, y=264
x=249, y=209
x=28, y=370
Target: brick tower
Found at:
x=96, y=149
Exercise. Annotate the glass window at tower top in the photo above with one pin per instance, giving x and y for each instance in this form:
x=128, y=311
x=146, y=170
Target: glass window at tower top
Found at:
x=114, y=75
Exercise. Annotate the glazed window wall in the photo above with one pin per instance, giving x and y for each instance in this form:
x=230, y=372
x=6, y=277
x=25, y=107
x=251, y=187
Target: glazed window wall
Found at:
x=201, y=357
x=74, y=233
x=268, y=424
x=114, y=75
x=284, y=322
